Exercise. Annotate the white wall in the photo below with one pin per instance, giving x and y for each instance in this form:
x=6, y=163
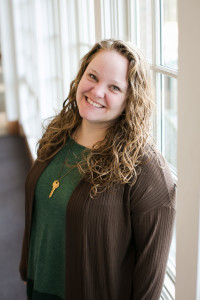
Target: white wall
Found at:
x=188, y=151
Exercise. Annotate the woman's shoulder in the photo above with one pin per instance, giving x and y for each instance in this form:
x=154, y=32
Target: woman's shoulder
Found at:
x=155, y=186
x=153, y=162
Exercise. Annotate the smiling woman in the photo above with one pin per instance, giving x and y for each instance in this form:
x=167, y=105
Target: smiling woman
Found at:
x=100, y=199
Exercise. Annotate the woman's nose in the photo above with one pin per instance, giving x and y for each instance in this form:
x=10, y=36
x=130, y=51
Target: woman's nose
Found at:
x=98, y=91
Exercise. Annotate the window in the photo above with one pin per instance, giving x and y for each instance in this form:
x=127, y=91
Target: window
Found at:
x=156, y=34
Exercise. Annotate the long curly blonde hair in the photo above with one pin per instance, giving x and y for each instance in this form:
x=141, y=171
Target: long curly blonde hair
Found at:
x=116, y=158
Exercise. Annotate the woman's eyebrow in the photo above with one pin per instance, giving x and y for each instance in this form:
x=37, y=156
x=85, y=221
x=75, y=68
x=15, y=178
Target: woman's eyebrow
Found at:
x=93, y=71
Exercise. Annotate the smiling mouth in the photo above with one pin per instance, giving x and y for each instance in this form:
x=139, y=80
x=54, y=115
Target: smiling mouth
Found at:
x=94, y=103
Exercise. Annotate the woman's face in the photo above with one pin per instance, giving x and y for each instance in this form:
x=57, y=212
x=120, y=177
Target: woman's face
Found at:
x=102, y=91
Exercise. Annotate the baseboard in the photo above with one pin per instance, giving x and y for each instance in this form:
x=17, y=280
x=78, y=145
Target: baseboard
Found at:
x=13, y=127
x=22, y=133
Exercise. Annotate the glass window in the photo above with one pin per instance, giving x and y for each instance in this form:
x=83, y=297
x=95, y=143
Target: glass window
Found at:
x=155, y=30
x=164, y=67
x=86, y=27
x=114, y=19
x=144, y=29
x=169, y=33
x=170, y=120
x=165, y=128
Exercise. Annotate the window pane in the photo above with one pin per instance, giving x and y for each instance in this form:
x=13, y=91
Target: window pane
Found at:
x=86, y=25
x=158, y=110
x=107, y=20
x=169, y=33
x=168, y=291
x=170, y=119
x=145, y=27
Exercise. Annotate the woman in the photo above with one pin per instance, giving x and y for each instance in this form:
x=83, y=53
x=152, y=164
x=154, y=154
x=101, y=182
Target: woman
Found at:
x=100, y=200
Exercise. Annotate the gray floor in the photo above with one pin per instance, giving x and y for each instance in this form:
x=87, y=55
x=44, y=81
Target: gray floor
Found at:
x=14, y=165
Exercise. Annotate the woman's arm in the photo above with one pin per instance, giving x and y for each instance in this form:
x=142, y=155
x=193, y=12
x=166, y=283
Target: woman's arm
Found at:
x=152, y=217
x=152, y=233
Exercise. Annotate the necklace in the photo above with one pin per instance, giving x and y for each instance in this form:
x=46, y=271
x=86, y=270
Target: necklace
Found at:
x=56, y=183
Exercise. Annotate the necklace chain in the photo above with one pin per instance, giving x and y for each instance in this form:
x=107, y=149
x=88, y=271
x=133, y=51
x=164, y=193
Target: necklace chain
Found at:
x=67, y=173
x=56, y=183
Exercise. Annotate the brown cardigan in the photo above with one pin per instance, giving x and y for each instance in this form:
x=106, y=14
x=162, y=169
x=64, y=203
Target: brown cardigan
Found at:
x=117, y=245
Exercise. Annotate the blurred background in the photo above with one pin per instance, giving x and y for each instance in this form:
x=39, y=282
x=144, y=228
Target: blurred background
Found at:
x=43, y=42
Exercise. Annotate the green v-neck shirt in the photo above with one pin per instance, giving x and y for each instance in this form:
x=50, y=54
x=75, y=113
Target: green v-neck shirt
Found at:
x=46, y=267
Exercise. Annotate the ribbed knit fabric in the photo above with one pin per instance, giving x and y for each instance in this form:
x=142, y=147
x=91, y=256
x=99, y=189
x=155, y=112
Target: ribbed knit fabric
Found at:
x=117, y=244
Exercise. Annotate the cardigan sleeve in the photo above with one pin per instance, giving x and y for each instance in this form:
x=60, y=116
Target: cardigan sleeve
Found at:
x=152, y=219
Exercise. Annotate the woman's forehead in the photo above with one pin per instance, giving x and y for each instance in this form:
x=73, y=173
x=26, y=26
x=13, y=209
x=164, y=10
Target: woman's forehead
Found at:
x=111, y=64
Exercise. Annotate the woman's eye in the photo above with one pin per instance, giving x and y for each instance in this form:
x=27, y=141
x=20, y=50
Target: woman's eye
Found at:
x=92, y=76
x=115, y=88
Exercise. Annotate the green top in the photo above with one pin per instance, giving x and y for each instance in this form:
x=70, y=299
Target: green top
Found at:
x=46, y=268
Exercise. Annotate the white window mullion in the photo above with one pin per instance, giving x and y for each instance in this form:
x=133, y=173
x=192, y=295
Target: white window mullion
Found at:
x=158, y=96
x=113, y=17
x=122, y=19
x=64, y=47
x=165, y=70
x=162, y=114
x=137, y=22
x=60, y=56
x=132, y=21
x=107, y=19
x=157, y=32
x=154, y=33
x=72, y=37
x=91, y=22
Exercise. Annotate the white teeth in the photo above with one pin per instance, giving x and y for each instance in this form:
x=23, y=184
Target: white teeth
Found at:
x=93, y=103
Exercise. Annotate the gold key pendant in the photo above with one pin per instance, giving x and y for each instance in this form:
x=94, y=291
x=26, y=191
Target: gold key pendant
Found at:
x=55, y=185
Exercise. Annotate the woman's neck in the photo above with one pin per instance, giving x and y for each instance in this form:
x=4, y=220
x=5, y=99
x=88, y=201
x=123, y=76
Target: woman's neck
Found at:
x=89, y=134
